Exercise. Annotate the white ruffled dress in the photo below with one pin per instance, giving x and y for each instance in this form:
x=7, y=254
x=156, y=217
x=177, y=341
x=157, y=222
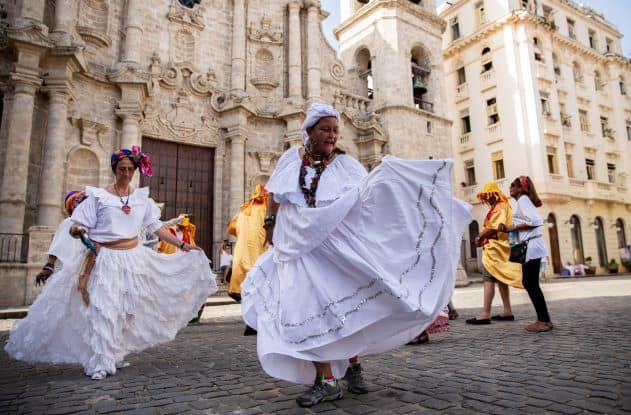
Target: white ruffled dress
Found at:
x=138, y=298
x=363, y=272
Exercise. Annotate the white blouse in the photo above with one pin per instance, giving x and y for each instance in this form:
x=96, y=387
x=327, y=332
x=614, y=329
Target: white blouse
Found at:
x=101, y=213
x=525, y=212
x=342, y=174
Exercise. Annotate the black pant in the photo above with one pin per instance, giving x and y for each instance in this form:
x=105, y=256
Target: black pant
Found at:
x=530, y=279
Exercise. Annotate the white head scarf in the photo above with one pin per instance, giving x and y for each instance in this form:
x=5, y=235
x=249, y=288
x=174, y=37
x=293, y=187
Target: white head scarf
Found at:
x=316, y=111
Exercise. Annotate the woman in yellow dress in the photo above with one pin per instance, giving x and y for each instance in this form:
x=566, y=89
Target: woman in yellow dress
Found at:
x=497, y=267
x=247, y=227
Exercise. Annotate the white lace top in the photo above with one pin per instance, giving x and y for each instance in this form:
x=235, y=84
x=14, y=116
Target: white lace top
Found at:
x=102, y=215
x=343, y=174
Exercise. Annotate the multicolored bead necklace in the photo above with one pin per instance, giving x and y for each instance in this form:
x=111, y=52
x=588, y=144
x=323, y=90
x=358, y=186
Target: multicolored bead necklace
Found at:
x=318, y=163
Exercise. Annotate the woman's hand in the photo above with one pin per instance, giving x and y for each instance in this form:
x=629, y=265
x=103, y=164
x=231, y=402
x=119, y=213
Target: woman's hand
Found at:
x=41, y=278
x=502, y=228
x=76, y=231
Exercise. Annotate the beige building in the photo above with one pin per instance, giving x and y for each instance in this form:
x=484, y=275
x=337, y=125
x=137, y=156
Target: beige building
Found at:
x=214, y=90
x=541, y=88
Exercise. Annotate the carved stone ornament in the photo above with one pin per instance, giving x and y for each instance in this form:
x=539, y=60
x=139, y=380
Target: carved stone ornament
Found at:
x=266, y=158
x=337, y=70
x=91, y=132
x=266, y=33
x=186, y=16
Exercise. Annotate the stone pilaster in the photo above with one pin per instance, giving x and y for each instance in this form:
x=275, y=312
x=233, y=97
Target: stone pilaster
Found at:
x=295, y=66
x=31, y=13
x=313, y=50
x=15, y=174
x=65, y=12
x=133, y=32
x=237, y=85
x=237, y=136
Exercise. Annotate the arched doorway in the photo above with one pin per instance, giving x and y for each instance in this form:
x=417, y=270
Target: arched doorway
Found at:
x=600, y=241
x=577, y=240
x=554, y=243
x=474, y=231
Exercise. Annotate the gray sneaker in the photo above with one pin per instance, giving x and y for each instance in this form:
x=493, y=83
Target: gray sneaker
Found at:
x=319, y=392
x=355, y=380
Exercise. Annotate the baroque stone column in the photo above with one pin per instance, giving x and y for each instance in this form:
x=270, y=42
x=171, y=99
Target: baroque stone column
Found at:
x=130, y=134
x=15, y=175
x=51, y=180
x=65, y=11
x=237, y=137
x=32, y=12
x=295, y=54
x=313, y=49
x=133, y=32
x=237, y=86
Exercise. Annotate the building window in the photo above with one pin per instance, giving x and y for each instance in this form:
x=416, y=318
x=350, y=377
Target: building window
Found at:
x=486, y=60
x=480, y=13
x=428, y=127
x=598, y=83
x=628, y=126
x=611, y=172
x=590, y=169
x=497, y=160
x=545, y=104
x=565, y=118
x=462, y=76
x=469, y=172
x=600, y=241
x=364, y=66
x=474, y=231
x=609, y=45
x=553, y=167
x=571, y=29
x=466, y=124
x=570, y=165
x=455, y=28
x=584, y=120
x=620, y=233
x=537, y=49
x=491, y=112
x=576, y=72
x=556, y=66
x=593, y=40
x=190, y=3
x=623, y=89
x=577, y=240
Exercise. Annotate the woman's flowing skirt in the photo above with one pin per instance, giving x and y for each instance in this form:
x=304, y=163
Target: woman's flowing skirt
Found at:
x=138, y=299
x=382, y=271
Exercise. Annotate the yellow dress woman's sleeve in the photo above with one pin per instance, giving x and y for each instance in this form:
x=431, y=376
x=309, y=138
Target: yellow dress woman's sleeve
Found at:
x=496, y=251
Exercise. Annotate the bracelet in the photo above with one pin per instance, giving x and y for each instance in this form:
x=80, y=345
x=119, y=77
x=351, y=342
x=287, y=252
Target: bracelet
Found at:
x=48, y=267
x=182, y=245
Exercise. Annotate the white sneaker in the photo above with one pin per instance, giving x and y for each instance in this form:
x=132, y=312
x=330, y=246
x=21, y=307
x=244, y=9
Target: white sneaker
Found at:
x=122, y=364
x=99, y=375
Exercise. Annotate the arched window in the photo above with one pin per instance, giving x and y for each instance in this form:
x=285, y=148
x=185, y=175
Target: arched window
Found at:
x=364, y=70
x=622, y=237
x=536, y=46
x=185, y=46
x=576, y=72
x=577, y=240
x=486, y=60
x=421, y=65
x=474, y=231
x=555, y=65
x=600, y=241
x=598, y=83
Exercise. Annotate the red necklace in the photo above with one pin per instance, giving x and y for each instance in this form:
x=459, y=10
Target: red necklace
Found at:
x=125, y=208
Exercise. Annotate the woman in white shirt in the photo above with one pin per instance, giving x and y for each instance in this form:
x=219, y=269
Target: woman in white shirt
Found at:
x=119, y=297
x=527, y=221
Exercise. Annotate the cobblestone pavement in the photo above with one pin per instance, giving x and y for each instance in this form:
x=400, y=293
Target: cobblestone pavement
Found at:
x=583, y=366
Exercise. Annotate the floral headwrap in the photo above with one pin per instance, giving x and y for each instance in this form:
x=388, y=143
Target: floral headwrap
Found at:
x=316, y=111
x=141, y=160
x=72, y=200
x=491, y=188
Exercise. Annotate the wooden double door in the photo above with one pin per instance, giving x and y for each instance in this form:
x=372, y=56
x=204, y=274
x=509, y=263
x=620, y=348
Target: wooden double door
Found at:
x=183, y=179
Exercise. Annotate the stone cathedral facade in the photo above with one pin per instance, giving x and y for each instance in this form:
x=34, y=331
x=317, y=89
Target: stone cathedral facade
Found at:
x=214, y=90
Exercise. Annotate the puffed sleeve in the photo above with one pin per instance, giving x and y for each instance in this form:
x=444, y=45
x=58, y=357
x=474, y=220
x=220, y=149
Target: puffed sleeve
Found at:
x=152, y=220
x=86, y=213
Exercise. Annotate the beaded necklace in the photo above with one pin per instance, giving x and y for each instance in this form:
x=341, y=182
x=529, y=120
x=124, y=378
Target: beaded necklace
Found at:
x=318, y=163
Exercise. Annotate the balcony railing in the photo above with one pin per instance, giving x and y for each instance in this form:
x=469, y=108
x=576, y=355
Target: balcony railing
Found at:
x=493, y=131
x=356, y=102
x=487, y=79
x=462, y=91
x=13, y=247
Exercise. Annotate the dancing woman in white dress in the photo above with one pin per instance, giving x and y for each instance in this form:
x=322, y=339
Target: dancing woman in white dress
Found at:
x=126, y=298
x=361, y=263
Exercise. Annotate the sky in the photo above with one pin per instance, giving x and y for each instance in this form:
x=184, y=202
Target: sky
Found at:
x=617, y=12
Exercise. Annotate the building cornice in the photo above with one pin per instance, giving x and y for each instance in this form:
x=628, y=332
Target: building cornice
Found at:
x=376, y=5
x=415, y=111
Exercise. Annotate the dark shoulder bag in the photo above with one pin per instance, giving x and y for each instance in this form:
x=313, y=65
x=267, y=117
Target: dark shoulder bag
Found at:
x=518, y=251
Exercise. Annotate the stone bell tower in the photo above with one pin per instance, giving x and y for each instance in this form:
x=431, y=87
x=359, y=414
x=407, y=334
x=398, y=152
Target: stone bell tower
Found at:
x=392, y=51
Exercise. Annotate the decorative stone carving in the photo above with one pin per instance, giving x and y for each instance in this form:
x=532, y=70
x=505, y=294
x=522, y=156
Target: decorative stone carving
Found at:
x=265, y=71
x=90, y=131
x=266, y=33
x=337, y=70
x=191, y=17
x=184, y=50
x=266, y=159
x=93, y=22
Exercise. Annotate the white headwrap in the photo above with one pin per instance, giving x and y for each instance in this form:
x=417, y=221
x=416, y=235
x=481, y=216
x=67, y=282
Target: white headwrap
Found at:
x=316, y=111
